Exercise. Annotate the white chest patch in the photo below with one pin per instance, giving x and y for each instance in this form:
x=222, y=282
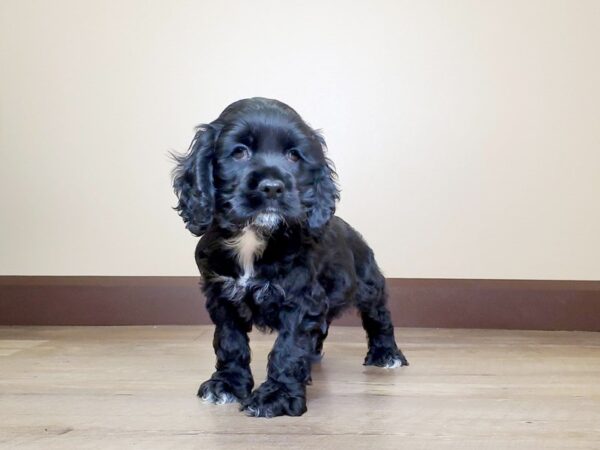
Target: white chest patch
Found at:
x=247, y=246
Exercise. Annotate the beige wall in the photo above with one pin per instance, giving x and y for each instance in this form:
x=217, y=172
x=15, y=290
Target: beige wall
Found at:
x=466, y=133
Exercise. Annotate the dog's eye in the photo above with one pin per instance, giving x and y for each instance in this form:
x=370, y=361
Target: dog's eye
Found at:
x=293, y=155
x=240, y=153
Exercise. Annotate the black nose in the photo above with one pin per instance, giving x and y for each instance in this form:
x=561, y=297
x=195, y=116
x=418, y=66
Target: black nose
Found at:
x=271, y=188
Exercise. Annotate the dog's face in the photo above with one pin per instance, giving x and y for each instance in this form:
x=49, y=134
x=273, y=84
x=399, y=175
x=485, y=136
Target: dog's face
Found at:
x=258, y=164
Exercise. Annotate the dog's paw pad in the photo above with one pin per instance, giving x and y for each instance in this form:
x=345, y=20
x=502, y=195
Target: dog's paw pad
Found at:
x=394, y=363
x=251, y=411
x=219, y=399
x=386, y=358
x=207, y=397
x=216, y=392
x=258, y=412
x=271, y=400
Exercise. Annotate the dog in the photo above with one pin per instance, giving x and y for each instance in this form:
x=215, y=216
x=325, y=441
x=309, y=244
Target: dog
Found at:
x=257, y=187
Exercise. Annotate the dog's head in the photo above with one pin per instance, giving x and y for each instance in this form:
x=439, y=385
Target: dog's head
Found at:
x=258, y=164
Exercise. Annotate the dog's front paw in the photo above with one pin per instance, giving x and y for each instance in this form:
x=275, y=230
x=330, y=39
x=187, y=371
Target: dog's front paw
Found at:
x=218, y=392
x=275, y=399
x=388, y=358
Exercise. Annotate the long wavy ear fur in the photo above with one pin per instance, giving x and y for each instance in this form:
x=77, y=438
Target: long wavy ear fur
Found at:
x=325, y=193
x=193, y=181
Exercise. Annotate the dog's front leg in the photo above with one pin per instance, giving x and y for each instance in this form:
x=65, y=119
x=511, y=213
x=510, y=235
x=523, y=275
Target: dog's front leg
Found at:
x=284, y=391
x=233, y=379
x=288, y=369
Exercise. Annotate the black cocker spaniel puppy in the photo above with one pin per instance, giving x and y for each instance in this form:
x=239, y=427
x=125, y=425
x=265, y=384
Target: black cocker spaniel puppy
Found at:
x=257, y=187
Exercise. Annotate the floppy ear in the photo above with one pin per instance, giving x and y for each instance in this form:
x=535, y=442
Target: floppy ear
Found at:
x=325, y=193
x=193, y=181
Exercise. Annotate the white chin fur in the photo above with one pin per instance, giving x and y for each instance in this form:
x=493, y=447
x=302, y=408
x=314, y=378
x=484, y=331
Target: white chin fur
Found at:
x=267, y=220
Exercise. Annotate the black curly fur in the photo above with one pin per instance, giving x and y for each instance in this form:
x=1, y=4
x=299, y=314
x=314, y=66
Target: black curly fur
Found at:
x=311, y=264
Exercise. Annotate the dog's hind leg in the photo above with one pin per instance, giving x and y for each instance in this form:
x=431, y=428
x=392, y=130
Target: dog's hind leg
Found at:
x=376, y=320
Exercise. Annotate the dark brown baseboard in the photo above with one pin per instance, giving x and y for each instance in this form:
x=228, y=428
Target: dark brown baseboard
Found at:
x=444, y=303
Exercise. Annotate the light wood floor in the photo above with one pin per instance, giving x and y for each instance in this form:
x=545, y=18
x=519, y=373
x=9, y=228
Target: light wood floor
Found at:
x=123, y=387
